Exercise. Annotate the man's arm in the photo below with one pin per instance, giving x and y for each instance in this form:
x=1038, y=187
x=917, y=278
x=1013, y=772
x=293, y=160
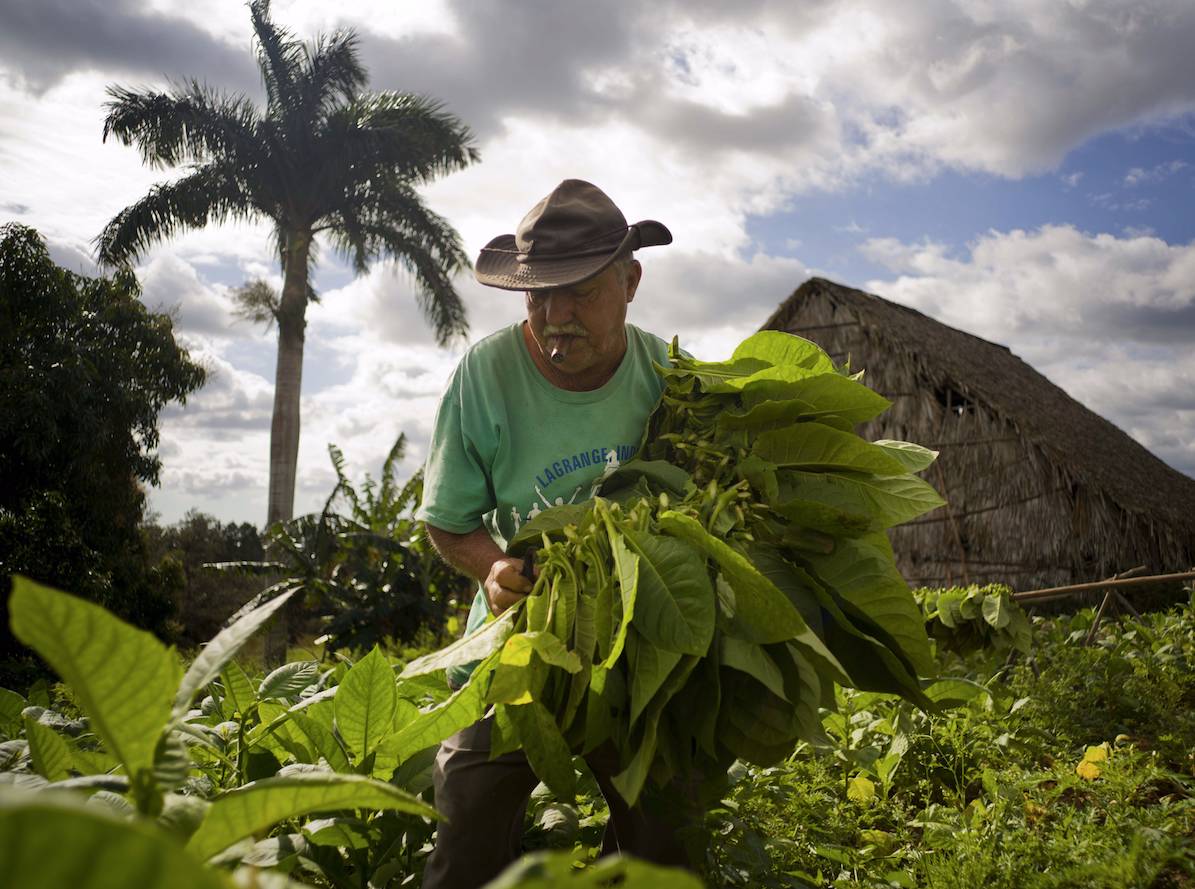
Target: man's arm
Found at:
x=476, y=555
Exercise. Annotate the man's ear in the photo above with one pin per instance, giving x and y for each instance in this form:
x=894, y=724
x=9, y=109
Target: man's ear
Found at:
x=634, y=276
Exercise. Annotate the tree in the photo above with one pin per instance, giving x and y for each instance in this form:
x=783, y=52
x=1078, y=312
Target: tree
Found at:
x=371, y=575
x=206, y=599
x=322, y=159
x=85, y=369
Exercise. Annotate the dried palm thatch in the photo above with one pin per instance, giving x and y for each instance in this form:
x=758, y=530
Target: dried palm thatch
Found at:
x=1041, y=491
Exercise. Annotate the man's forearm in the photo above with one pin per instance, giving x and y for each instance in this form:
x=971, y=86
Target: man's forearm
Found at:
x=472, y=554
x=476, y=555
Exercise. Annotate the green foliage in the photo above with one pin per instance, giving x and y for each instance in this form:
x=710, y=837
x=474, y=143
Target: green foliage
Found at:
x=965, y=620
x=143, y=789
x=85, y=370
x=363, y=565
x=1028, y=782
x=205, y=599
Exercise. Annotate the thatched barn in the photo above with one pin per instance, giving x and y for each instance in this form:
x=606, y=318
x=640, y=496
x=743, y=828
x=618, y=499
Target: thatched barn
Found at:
x=1041, y=490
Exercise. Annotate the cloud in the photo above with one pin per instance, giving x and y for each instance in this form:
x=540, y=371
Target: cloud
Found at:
x=1109, y=319
x=232, y=402
x=1155, y=174
x=1007, y=89
x=49, y=39
x=1094, y=288
x=171, y=284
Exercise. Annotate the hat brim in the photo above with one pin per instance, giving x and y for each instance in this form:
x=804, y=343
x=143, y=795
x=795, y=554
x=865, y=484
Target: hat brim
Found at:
x=498, y=264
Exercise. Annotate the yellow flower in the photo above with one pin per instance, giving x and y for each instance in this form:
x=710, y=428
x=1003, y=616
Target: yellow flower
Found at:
x=1087, y=770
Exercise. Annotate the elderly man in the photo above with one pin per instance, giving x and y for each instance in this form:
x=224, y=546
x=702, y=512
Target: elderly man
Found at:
x=535, y=415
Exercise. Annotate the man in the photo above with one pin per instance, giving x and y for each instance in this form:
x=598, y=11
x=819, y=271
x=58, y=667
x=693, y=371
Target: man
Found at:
x=534, y=416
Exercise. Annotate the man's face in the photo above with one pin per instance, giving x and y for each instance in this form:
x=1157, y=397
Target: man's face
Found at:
x=584, y=323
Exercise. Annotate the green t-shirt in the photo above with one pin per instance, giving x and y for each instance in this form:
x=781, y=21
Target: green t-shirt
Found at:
x=507, y=444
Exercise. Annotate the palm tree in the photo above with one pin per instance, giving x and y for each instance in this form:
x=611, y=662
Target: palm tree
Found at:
x=323, y=159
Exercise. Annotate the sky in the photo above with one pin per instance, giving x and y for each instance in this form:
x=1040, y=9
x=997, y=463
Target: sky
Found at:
x=1023, y=170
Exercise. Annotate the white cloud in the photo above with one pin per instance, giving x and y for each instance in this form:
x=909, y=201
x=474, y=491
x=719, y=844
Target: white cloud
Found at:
x=1109, y=319
x=1157, y=173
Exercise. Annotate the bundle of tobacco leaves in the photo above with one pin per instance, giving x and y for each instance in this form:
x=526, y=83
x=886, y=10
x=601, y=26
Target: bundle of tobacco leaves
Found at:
x=974, y=618
x=701, y=608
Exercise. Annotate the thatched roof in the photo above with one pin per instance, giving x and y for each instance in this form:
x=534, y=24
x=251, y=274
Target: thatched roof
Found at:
x=1091, y=450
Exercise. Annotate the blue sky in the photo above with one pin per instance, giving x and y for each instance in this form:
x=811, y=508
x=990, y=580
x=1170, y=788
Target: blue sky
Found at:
x=1134, y=180
x=1021, y=170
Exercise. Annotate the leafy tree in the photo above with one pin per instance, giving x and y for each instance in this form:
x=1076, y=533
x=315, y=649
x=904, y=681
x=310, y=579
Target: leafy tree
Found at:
x=206, y=598
x=371, y=575
x=323, y=158
x=85, y=369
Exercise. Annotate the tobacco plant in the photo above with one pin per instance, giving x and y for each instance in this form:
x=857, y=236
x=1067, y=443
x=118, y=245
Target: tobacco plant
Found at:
x=968, y=619
x=702, y=608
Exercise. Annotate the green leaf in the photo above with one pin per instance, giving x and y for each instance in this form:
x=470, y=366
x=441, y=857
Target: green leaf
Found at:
x=288, y=680
x=629, y=782
x=260, y=804
x=785, y=350
x=557, y=869
x=749, y=658
x=322, y=741
x=366, y=702
x=674, y=604
x=546, y=750
x=955, y=691
x=766, y=375
x=869, y=662
x=278, y=735
x=767, y=415
x=464, y=708
x=59, y=842
x=714, y=374
x=124, y=678
x=50, y=754
x=238, y=690
x=996, y=611
x=552, y=521
x=761, y=612
x=11, y=705
x=861, y=790
x=650, y=666
x=913, y=457
x=477, y=645
x=884, y=500
x=347, y=833
x=863, y=573
x=829, y=393
x=754, y=724
x=518, y=683
x=221, y=649
x=661, y=474
x=626, y=564
x=518, y=650
x=812, y=446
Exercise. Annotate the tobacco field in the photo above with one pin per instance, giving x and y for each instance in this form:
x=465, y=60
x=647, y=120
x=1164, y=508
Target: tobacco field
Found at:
x=725, y=616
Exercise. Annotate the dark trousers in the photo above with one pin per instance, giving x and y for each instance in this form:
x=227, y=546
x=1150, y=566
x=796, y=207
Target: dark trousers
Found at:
x=485, y=802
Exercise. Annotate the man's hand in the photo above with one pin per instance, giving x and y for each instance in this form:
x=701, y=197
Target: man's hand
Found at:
x=475, y=554
x=505, y=584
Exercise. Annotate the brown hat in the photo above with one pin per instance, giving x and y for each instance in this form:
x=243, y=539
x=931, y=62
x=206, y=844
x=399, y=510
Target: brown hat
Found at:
x=568, y=237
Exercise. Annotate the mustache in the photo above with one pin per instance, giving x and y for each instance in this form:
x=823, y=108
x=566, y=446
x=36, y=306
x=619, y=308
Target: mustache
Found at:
x=564, y=330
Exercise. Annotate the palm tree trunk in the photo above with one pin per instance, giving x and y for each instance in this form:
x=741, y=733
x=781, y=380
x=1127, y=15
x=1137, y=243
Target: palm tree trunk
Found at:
x=284, y=429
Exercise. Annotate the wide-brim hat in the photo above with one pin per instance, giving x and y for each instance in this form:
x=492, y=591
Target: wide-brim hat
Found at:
x=573, y=234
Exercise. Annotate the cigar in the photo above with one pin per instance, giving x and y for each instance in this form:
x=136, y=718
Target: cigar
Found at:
x=560, y=350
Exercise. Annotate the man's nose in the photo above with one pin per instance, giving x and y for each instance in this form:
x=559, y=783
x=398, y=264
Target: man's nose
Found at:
x=558, y=308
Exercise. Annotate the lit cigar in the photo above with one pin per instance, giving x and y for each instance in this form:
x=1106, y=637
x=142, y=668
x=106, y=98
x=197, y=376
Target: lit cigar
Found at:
x=560, y=349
